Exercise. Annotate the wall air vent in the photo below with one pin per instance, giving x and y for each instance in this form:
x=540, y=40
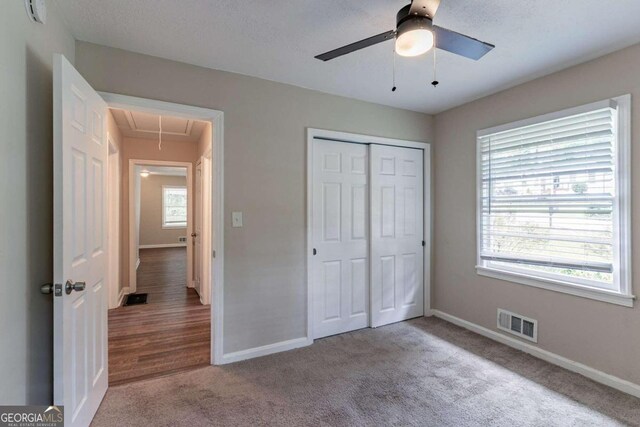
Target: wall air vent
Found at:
x=518, y=325
x=182, y=239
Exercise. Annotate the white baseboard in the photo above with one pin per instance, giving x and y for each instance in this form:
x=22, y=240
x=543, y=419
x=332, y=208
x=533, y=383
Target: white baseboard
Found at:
x=573, y=366
x=163, y=245
x=123, y=292
x=266, y=350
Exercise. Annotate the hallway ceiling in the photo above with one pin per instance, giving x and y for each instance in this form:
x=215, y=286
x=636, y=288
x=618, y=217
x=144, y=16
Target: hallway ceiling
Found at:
x=162, y=170
x=277, y=40
x=136, y=124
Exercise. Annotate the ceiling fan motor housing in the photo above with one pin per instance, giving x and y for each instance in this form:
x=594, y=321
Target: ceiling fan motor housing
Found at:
x=406, y=21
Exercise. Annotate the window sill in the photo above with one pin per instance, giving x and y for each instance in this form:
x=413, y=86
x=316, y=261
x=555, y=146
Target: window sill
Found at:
x=558, y=286
x=174, y=227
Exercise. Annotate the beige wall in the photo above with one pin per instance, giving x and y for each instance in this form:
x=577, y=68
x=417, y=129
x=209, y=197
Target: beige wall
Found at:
x=598, y=334
x=265, y=156
x=151, y=231
x=146, y=149
x=26, y=187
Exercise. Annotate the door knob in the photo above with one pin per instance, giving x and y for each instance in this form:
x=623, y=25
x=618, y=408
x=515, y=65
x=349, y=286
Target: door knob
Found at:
x=194, y=234
x=74, y=286
x=46, y=288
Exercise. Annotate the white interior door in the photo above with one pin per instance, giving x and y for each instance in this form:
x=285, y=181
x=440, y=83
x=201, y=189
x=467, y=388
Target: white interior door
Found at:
x=207, y=231
x=397, y=233
x=197, y=233
x=80, y=247
x=137, y=194
x=340, y=238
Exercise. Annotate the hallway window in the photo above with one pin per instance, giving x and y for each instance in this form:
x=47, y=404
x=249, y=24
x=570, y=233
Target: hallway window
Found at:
x=174, y=207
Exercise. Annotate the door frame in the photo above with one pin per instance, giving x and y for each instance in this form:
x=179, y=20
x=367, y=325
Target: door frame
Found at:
x=114, y=224
x=204, y=205
x=216, y=270
x=354, y=138
x=134, y=226
x=197, y=206
x=207, y=217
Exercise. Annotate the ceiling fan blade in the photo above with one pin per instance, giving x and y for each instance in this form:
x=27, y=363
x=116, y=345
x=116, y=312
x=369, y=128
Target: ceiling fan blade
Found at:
x=424, y=7
x=460, y=44
x=357, y=46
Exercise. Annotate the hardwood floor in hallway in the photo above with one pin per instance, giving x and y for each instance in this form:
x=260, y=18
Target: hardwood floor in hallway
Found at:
x=170, y=333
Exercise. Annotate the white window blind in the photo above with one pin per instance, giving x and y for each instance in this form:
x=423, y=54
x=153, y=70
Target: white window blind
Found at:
x=548, y=202
x=174, y=206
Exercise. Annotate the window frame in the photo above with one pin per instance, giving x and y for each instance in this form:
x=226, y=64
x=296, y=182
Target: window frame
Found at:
x=621, y=221
x=174, y=226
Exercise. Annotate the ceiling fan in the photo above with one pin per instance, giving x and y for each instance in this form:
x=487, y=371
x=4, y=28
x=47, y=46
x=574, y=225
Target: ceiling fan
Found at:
x=415, y=35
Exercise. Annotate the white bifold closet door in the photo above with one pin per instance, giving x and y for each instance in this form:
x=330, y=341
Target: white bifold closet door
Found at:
x=397, y=251
x=340, y=230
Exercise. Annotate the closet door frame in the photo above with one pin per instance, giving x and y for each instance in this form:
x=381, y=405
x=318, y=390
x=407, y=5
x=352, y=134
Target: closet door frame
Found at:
x=313, y=134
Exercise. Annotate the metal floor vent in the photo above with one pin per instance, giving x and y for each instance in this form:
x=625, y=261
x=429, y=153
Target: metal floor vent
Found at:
x=518, y=325
x=133, y=299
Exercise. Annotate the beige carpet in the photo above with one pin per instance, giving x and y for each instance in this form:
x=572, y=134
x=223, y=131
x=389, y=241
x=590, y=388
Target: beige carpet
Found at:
x=417, y=373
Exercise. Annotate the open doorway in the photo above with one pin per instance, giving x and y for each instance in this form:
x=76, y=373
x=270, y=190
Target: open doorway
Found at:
x=160, y=322
x=161, y=214
x=162, y=228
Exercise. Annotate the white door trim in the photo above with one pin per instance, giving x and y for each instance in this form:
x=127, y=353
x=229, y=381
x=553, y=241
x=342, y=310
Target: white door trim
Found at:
x=313, y=133
x=114, y=224
x=198, y=199
x=205, y=284
x=216, y=118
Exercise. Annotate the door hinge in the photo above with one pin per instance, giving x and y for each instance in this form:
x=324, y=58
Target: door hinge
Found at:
x=315, y=252
x=213, y=254
x=423, y=243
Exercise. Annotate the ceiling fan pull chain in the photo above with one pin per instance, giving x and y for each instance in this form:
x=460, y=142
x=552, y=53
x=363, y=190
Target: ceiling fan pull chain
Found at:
x=435, y=81
x=393, y=89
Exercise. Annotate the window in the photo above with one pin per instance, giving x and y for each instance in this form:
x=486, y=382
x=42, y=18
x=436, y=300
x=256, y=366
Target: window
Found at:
x=174, y=207
x=553, y=201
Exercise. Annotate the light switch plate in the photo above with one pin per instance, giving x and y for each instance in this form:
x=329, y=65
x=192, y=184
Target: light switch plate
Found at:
x=236, y=219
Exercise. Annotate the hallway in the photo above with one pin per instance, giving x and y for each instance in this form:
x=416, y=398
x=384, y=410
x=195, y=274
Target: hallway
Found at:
x=170, y=333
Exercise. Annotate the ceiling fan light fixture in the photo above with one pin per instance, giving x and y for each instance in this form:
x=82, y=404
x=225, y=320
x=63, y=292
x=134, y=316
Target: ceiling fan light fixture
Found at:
x=414, y=37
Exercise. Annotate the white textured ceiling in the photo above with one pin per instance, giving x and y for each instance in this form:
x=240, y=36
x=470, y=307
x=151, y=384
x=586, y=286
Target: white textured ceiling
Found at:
x=278, y=39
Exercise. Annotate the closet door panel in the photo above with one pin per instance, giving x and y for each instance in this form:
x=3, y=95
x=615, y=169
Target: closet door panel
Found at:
x=340, y=230
x=397, y=254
